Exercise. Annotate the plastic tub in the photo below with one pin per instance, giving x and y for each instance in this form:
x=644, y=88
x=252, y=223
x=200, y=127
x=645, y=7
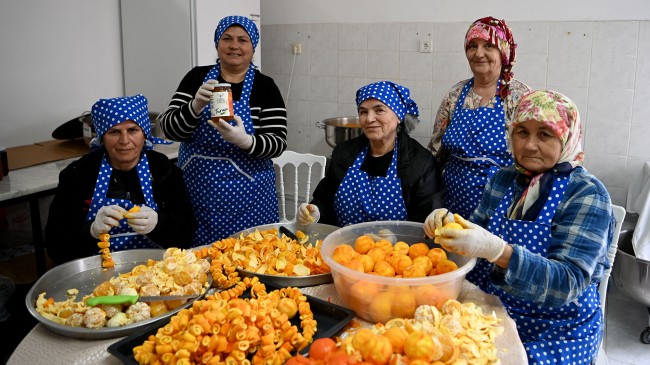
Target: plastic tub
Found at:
x=377, y=298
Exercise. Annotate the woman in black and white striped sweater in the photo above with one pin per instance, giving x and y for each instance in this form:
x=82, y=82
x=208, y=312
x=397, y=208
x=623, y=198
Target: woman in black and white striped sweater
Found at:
x=227, y=165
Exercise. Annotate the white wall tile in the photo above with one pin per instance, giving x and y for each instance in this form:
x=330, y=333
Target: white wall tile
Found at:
x=531, y=37
x=323, y=88
x=641, y=108
x=415, y=66
x=612, y=71
x=450, y=37
x=298, y=138
x=298, y=88
x=639, y=137
x=323, y=62
x=383, y=64
x=570, y=38
x=644, y=34
x=273, y=61
x=642, y=81
x=347, y=109
x=450, y=66
x=272, y=37
x=322, y=110
x=298, y=112
x=567, y=69
x=607, y=168
x=348, y=87
x=299, y=63
x=324, y=36
x=634, y=170
x=578, y=95
x=295, y=33
x=531, y=68
x=412, y=33
x=420, y=92
x=383, y=36
x=353, y=36
x=424, y=129
x=318, y=144
x=607, y=138
x=610, y=106
x=352, y=63
x=619, y=38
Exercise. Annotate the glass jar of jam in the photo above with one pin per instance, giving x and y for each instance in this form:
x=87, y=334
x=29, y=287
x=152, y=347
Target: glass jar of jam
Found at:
x=221, y=103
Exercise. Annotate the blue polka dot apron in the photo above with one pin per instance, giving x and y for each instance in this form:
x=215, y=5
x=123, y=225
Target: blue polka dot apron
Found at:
x=565, y=335
x=476, y=142
x=229, y=190
x=363, y=198
x=123, y=237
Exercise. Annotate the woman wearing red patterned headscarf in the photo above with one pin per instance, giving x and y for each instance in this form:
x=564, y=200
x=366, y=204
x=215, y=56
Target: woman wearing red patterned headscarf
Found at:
x=469, y=130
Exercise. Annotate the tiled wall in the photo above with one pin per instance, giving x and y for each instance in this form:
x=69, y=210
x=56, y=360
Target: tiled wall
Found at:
x=603, y=66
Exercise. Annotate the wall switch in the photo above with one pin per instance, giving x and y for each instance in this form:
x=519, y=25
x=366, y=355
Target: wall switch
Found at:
x=425, y=45
x=297, y=48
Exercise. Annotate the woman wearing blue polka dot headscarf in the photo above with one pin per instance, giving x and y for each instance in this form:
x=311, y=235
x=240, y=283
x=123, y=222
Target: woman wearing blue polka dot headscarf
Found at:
x=227, y=164
x=122, y=171
x=383, y=174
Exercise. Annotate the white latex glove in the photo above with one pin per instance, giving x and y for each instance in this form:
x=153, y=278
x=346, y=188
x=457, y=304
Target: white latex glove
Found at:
x=144, y=221
x=202, y=97
x=307, y=213
x=234, y=134
x=472, y=241
x=438, y=218
x=108, y=216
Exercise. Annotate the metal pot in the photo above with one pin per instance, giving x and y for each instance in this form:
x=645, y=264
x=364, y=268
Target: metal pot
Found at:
x=340, y=129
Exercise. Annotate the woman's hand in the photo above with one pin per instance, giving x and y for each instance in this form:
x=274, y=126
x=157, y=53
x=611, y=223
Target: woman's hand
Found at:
x=143, y=221
x=202, y=97
x=108, y=216
x=472, y=241
x=438, y=218
x=307, y=213
x=234, y=134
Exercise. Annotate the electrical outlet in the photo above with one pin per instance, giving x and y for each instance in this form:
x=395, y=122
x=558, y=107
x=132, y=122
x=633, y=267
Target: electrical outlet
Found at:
x=297, y=48
x=425, y=45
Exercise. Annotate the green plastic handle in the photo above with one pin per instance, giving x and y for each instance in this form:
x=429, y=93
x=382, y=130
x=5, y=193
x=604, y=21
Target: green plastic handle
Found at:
x=112, y=299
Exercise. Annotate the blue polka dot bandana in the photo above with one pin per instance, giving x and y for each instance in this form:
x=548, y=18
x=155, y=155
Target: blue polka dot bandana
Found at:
x=246, y=23
x=396, y=97
x=107, y=113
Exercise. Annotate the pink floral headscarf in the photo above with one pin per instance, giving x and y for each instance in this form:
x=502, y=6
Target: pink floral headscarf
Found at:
x=560, y=114
x=498, y=33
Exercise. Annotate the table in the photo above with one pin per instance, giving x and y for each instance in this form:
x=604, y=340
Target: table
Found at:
x=31, y=183
x=42, y=346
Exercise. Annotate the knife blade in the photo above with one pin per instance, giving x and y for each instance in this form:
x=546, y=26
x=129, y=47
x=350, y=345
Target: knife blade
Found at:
x=132, y=299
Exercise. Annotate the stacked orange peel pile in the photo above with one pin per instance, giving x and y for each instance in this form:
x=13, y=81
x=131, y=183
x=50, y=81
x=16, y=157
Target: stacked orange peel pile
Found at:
x=104, y=243
x=225, y=329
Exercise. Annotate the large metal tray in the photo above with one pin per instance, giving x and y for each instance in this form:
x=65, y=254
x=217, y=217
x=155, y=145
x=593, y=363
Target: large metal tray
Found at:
x=316, y=231
x=85, y=274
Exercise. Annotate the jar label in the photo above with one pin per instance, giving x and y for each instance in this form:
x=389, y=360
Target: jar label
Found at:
x=220, y=104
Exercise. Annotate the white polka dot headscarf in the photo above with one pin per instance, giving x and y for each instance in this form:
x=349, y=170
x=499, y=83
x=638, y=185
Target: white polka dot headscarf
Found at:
x=107, y=113
x=396, y=97
x=244, y=22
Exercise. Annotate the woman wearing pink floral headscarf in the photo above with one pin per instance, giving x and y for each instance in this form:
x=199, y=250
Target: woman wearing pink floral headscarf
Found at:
x=542, y=231
x=469, y=129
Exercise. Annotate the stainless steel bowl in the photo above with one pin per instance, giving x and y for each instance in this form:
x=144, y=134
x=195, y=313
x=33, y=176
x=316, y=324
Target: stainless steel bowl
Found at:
x=630, y=273
x=85, y=274
x=340, y=129
x=316, y=231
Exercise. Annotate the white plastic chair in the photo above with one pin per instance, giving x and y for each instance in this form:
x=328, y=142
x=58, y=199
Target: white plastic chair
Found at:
x=619, y=216
x=301, y=180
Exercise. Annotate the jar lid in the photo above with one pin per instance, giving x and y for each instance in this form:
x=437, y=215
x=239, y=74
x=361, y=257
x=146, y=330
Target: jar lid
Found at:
x=222, y=85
